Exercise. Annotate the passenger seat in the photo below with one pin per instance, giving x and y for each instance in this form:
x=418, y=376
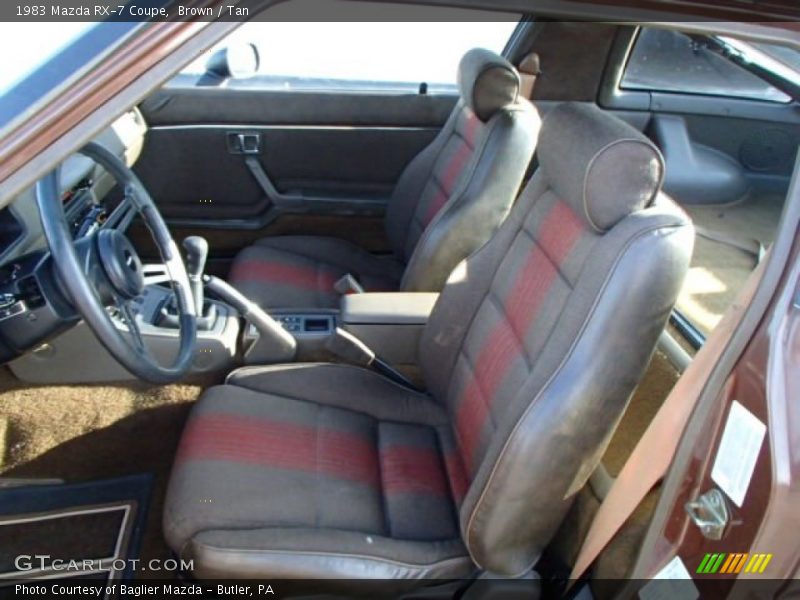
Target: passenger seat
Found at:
x=446, y=204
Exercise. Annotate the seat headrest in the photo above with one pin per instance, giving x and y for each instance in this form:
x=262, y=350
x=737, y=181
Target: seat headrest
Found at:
x=487, y=82
x=598, y=163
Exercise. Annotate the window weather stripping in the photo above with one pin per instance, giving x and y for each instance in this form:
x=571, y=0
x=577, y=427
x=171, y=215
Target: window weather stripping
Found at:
x=755, y=61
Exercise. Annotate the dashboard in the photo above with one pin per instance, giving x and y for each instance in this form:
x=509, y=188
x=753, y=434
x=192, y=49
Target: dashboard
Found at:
x=33, y=305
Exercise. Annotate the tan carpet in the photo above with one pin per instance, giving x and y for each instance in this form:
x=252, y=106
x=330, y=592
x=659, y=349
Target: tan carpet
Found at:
x=659, y=379
x=85, y=432
x=616, y=562
x=618, y=557
x=718, y=270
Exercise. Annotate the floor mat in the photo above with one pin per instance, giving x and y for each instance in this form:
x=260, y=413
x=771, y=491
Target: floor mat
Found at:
x=100, y=520
x=85, y=432
x=718, y=270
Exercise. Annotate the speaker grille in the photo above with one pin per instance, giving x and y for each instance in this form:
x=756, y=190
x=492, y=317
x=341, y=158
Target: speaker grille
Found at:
x=768, y=150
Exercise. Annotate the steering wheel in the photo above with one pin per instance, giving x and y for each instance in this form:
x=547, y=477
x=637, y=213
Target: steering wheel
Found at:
x=103, y=270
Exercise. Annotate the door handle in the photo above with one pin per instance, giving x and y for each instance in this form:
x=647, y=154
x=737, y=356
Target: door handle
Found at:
x=244, y=142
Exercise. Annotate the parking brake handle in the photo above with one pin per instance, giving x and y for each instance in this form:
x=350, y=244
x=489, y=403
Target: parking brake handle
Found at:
x=350, y=349
x=282, y=346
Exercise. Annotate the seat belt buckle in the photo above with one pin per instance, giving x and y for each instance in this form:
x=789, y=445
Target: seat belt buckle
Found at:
x=348, y=285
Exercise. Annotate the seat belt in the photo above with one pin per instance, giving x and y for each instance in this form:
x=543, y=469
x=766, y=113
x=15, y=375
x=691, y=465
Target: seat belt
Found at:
x=350, y=349
x=529, y=70
x=348, y=284
x=652, y=456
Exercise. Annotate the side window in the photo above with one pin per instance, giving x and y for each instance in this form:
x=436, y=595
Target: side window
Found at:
x=357, y=56
x=669, y=61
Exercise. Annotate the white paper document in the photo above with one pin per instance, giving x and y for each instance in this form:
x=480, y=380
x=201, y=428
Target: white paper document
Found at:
x=738, y=451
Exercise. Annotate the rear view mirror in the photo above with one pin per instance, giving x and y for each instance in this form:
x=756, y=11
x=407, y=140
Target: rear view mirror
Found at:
x=237, y=61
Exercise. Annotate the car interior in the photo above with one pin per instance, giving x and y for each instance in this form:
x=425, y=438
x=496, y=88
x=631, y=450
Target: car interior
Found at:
x=417, y=328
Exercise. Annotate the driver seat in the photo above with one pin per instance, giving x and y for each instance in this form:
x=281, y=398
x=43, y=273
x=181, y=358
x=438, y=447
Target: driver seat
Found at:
x=530, y=356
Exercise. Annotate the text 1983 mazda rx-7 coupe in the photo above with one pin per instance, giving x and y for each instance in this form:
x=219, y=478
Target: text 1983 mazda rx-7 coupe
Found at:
x=418, y=301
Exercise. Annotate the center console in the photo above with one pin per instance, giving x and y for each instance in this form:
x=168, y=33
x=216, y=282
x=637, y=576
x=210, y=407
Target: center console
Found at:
x=306, y=325
x=310, y=332
x=377, y=330
x=216, y=341
x=391, y=324
x=386, y=325
x=77, y=356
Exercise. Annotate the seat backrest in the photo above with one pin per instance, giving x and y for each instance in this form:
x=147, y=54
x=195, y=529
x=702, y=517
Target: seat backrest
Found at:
x=540, y=337
x=455, y=193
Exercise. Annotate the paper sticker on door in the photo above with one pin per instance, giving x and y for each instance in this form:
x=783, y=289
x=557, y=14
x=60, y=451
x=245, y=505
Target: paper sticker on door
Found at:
x=738, y=451
x=671, y=582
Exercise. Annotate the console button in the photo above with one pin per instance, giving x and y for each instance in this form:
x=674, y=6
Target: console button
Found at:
x=12, y=310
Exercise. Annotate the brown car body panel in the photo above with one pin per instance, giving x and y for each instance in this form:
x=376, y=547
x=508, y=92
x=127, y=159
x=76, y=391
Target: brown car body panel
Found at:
x=769, y=518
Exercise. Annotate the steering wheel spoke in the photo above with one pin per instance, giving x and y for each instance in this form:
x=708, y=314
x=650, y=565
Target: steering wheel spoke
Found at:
x=122, y=276
x=155, y=273
x=128, y=315
x=171, y=272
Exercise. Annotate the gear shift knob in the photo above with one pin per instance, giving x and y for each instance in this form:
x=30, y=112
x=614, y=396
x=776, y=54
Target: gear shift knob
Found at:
x=196, y=254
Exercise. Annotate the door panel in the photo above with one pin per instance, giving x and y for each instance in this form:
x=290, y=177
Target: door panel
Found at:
x=192, y=174
x=725, y=158
x=764, y=148
x=708, y=134
x=96, y=526
x=331, y=159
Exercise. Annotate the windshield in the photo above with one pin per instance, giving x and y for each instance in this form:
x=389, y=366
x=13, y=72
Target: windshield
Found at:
x=46, y=55
x=32, y=45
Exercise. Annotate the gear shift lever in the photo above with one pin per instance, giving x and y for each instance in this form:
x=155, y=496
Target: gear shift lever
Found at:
x=196, y=255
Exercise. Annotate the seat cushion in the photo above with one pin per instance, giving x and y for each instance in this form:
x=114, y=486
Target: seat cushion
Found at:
x=317, y=471
x=301, y=271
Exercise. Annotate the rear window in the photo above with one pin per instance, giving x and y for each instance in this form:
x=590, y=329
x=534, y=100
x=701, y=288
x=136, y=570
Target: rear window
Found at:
x=669, y=61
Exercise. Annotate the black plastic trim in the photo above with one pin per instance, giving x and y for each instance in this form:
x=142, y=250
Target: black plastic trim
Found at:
x=687, y=329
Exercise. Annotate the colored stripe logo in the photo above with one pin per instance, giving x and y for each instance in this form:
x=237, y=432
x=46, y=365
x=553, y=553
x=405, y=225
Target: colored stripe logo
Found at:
x=733, y=563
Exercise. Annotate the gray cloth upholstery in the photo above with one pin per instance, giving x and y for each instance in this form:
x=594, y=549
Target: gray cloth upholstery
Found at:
x=447, y=202
x=487, y=82
x=301, y=271
x=531, y=353
x=603, y=168
x=281, y=475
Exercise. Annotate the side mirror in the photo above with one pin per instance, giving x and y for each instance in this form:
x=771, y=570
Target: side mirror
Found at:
x=238, y=61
